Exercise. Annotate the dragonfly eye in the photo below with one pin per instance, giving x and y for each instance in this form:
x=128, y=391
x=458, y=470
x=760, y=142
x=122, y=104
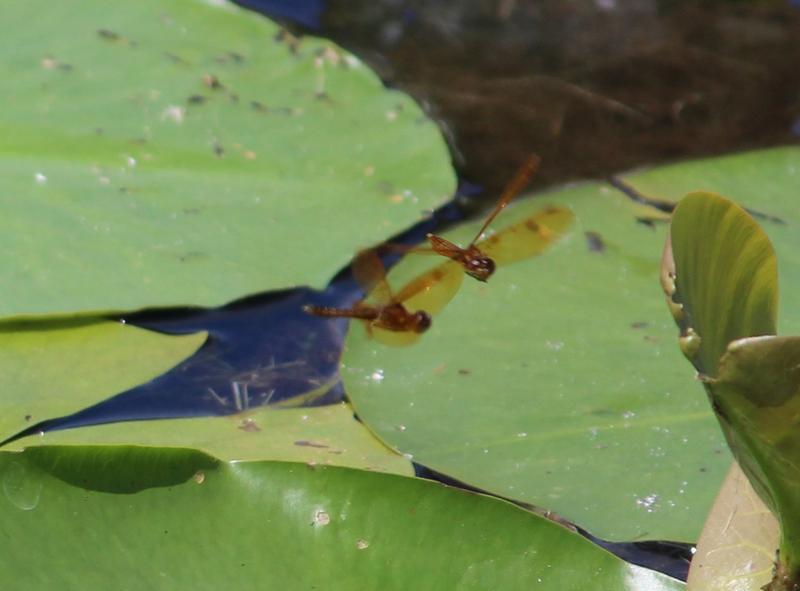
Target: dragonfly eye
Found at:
x=422, y=321
x=481, y=268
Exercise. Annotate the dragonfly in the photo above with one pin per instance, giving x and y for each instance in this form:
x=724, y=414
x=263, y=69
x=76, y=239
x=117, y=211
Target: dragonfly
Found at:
x=395, y=318
x=523, y=240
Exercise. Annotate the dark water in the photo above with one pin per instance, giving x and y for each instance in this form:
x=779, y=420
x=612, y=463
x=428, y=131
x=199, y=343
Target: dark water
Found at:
x=594, y=87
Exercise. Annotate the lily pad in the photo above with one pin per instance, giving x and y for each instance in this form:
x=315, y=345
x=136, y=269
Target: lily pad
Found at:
x=327, y=435
x=189, y=521
x=170, y=152
x=55, y=368
x=558, y=382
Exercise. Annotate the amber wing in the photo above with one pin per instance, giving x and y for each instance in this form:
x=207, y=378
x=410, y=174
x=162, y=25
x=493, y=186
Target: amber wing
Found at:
x=432, y=290
x=370, y=273
x=528, y=238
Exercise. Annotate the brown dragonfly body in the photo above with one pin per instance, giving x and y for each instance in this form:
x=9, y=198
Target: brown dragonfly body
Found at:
x=399, y=318
x=475, y=263
x=480, y=257
x=395, y=318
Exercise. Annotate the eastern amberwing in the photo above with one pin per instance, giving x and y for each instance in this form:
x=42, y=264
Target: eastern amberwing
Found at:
x=387, y=315
x=520, y=241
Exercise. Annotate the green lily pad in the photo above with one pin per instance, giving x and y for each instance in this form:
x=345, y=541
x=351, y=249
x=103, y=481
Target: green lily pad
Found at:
x=55, y=368
x=326, y=435
x=557, y=383
x=178, y=519
x=170, y=152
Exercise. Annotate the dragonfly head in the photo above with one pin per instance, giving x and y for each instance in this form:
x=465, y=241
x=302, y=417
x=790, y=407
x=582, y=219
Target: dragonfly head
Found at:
x=422, y=321
x=480, y=267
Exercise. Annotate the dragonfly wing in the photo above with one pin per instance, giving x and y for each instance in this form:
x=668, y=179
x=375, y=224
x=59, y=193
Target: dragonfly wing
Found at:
x=370, y=274
x=395, y=338
x=432, y=290
x=528, y=238
x=518, y=182
x=444, y=247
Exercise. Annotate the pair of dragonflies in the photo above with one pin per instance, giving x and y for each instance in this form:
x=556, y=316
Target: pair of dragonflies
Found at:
x=388, y=314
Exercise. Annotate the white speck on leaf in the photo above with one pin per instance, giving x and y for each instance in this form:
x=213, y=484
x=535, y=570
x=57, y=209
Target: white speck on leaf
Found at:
x=174, y=113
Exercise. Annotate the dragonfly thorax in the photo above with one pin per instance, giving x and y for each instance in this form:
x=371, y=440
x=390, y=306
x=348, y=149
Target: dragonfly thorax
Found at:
x=479, y=266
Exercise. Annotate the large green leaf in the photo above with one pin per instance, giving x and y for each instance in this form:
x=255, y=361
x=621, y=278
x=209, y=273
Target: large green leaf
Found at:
x=180, y=520
x=51, y=369
x=166, y=152
x=727, y=277
x=557, y=383
x=326, y=435
x=767, y=182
